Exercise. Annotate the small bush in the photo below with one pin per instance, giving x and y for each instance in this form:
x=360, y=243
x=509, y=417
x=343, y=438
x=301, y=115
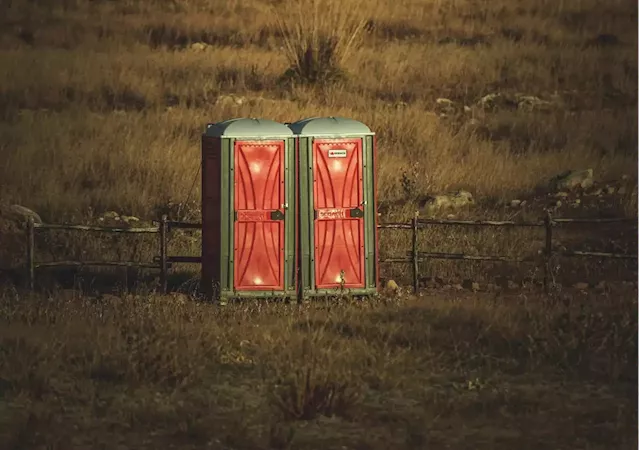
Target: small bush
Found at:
x=318, y=38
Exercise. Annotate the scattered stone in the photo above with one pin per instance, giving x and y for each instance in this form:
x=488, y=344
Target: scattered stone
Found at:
x=199, y=46
x=19, y=213
x=532, y=103
x=129, y=219
x=572, y=179
x=490, y=101
x=452, y=200
x=581, y=285
x=445, y=107
x=561, y=194
x=445, y=102
x=111, y=215
x=515, y=203
x=392, y=286
x=577, y=202
x=596, y=192
x=230, y=100
x=457, y=287
x=610, y=190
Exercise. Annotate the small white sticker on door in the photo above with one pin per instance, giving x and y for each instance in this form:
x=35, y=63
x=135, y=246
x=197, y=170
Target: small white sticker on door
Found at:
x=337, y=153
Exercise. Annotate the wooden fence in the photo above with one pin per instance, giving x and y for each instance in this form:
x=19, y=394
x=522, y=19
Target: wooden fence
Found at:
x=414, y=257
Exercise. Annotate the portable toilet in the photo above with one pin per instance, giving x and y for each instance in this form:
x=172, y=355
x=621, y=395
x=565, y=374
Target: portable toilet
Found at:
x=248, y=210
x=338, y=221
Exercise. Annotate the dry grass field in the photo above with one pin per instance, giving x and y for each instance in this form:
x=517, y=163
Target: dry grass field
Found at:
x=474, y=371
x=102, y=104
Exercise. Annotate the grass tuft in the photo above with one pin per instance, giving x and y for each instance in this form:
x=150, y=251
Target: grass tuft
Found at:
x=319, y=36
x=307, y=394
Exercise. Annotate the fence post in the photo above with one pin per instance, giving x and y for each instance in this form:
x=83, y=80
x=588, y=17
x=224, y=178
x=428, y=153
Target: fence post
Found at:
x=163, y=254
x=414, y=244
x=548, y=226
x=30, y=254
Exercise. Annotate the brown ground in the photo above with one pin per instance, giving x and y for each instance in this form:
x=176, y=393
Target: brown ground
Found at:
x=446, y=371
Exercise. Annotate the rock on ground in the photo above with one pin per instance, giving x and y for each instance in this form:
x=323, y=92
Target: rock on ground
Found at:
x=392, y=286
x=230, y=100
x=446, y=106
x=19, y=213
x=199, y=46
x=451, y=200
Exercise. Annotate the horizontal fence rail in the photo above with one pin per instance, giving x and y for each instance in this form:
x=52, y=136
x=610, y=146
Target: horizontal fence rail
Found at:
x=487, y=223
x=164, y=262
x=570, y=253
x=184, y=225
x=423, y=256
x=47, y=226
x=95, y=263
x=32, y=264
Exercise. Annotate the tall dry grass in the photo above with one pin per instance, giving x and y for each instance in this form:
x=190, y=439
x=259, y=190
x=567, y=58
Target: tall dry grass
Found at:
x=319, y=37
x=103, y=103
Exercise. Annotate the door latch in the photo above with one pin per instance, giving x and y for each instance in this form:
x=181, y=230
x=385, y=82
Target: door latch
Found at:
x=277, y=215
x=356, y=212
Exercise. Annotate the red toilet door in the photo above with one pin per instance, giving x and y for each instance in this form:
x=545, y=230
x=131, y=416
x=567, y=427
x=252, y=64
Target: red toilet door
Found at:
x=259, y=215
x=339, y=218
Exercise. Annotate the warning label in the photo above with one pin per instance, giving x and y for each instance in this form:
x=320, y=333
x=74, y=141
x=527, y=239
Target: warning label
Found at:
x=333, y=213
x=337, y=153
x=253, y=216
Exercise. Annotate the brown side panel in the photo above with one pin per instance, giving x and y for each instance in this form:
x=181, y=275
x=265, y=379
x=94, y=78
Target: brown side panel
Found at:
x=211, y=198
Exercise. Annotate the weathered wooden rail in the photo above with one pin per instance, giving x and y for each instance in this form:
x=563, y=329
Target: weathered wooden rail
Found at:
x=414, y=257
